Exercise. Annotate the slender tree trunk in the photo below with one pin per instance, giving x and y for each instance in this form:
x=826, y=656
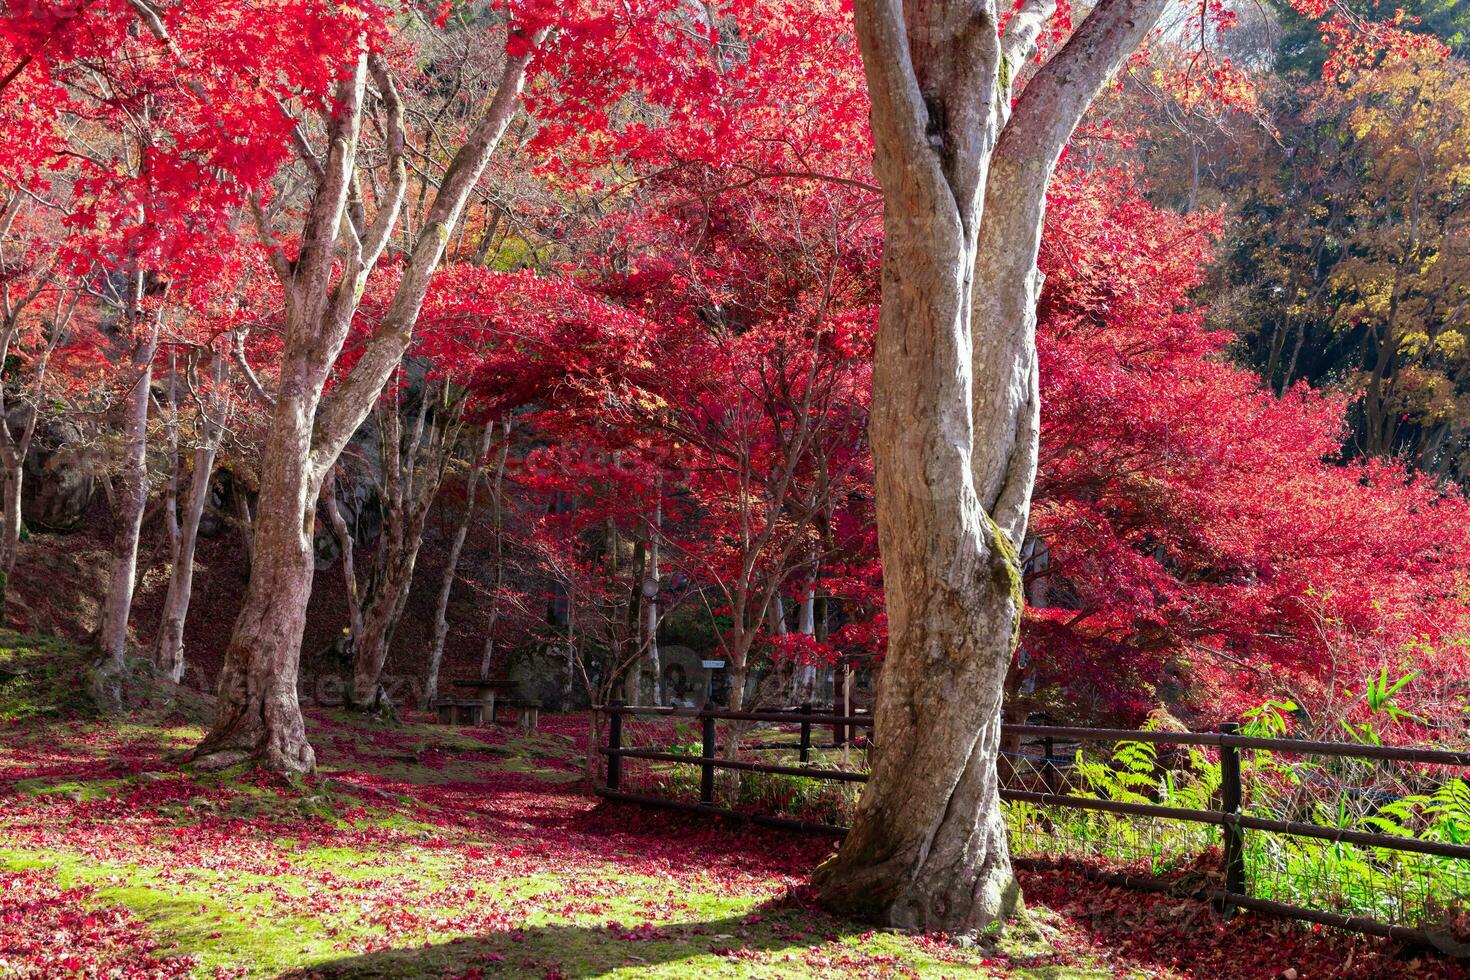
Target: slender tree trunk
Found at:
x=451, y=565
x=132, y=500
x=168, y=651
x=171, y=489
x=804, y=680
x=370, y=648
x=10, y=521
x=497, y=524
x=346, y=543
x=650, y=601
x=1273, y=358
x=1296, y=350
x=10, y=487
x=487, y=649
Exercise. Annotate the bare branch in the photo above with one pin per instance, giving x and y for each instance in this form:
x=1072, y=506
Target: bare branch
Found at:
x=274, y=254
x=255, y=386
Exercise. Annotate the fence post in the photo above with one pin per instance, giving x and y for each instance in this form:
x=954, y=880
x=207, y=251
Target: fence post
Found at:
x=839, y=703
x=707, y=771
x=1233, y=835
x=614, y=746
x=1048, y=767
x=806, y=733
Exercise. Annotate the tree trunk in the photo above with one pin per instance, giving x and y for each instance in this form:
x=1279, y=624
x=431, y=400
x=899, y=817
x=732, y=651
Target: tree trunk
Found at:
x=10, y=521
x=168, y=651
x=451, y=565
x=497, y=523
x=651, y=666
x=244, y=520
x=804, y=679
x=412, y=474
x=370, y=647
x=258, y=717
x=1296, y=350
x=10, y=486
x=13, y=451
x=928, y=848
x=132, y=500
x=954, y=427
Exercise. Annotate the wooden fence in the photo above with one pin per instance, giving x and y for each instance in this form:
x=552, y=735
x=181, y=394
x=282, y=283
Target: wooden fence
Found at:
x=1233, y=823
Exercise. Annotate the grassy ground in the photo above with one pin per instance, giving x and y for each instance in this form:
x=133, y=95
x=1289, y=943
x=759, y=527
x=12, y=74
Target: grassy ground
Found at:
x=427, y=851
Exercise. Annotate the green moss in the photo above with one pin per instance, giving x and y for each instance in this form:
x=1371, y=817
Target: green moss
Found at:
x=1005, y=564
x=221, y=920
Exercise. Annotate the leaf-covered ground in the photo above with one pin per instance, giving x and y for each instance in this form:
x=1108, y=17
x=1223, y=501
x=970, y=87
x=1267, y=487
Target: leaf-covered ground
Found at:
x=427, y=851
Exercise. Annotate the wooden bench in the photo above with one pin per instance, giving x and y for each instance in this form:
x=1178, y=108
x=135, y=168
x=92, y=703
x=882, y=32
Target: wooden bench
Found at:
x=525, y=711
x=460, y=711
x=486, y=692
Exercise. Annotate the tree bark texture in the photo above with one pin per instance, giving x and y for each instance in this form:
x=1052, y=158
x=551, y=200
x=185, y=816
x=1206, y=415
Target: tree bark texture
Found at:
x=954, y=428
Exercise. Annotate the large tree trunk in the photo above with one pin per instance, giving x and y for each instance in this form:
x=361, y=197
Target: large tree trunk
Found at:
x=259, y=715
x=928, y=848
x=954, y=425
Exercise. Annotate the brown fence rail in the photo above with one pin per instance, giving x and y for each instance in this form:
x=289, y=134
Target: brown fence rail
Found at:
x=1233, y=823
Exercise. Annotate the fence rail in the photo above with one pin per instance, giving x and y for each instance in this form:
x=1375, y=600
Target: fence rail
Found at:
x=1233, y=823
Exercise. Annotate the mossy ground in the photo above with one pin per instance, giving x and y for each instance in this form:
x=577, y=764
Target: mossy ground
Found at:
x=423, y=851
x=414, y=851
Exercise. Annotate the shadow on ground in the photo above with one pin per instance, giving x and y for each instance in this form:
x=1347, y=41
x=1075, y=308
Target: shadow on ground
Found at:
x=578, y=951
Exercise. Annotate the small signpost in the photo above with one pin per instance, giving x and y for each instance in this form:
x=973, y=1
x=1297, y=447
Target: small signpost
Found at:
x=710, y=667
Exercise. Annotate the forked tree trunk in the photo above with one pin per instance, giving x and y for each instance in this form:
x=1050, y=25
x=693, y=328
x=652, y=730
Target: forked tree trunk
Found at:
x=954, y=426
x=168, y=644
x=413, y=471
x=258, y=716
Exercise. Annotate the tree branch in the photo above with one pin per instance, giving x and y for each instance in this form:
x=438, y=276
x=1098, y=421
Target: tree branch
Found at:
x=255, y=386
x=345, y=406
x=1018, y=40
